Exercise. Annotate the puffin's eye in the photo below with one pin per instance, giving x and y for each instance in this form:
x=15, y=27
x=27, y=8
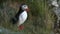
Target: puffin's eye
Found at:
x=24, y=6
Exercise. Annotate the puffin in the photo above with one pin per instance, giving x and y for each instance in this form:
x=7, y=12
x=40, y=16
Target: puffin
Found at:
x=21, y=16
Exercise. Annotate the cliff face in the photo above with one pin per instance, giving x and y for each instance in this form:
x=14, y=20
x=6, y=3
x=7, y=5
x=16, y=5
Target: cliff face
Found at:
x=56, y=11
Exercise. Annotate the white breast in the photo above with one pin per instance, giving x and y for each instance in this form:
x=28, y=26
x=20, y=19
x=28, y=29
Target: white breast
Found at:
x=22, y=18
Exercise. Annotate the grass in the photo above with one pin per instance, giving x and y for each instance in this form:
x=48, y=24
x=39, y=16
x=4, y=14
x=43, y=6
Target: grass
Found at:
x=39, y=20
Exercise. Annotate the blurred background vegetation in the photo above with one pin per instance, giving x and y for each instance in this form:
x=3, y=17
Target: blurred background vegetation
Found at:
x=40, y=19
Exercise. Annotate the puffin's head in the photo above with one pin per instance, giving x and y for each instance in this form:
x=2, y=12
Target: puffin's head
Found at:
x=24, y=7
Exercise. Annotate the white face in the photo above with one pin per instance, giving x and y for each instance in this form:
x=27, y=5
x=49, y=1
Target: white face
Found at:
x=24, y=7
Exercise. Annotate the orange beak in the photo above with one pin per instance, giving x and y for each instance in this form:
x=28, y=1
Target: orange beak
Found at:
x=27, y=10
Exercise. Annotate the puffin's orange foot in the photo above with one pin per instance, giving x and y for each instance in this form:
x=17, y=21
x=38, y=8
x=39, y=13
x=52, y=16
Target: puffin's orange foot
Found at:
x=21, y=27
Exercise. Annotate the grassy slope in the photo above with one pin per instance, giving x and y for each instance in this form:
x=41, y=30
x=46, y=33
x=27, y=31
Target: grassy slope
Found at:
x=39, y=20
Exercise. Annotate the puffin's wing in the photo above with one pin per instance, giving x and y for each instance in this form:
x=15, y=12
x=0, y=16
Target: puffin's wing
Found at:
x=14, y=20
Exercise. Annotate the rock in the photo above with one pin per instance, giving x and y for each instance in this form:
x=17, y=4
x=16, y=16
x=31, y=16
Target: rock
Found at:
x=7, y=31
